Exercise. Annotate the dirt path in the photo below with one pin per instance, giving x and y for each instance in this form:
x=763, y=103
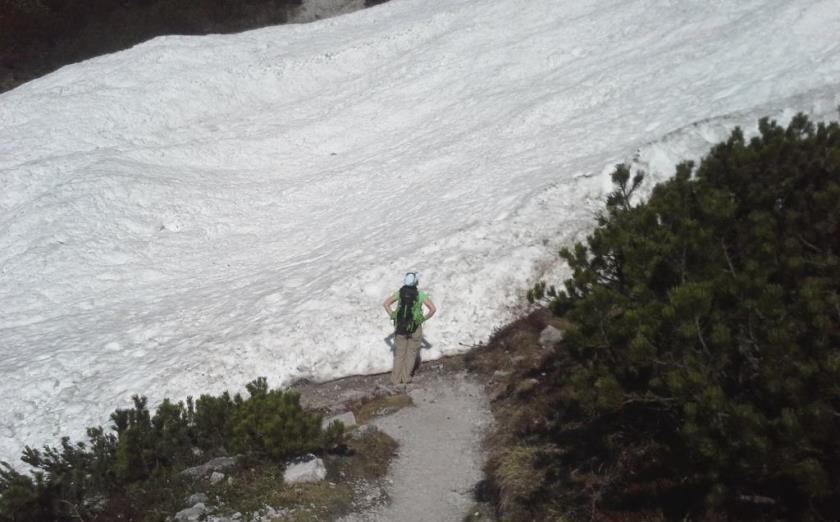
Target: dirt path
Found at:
x=440, y=445
x=440, y=455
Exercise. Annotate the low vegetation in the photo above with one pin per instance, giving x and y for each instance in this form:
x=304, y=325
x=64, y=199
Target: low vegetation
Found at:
x=116, y=469
x=256, y=484
x=698, y=378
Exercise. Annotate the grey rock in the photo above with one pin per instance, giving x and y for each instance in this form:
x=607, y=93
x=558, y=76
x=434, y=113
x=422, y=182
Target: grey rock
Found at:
x=308, y=468
x=236, y=517
x=365, y=430
x=384, y=390
x=526, y=385
x=196, y=498
x=551, y=336
x=216, y=477
x=96, y=502
x=191, y=514
x=270, y=514
x=221, y=464
x=354, y=395
x=347, y=418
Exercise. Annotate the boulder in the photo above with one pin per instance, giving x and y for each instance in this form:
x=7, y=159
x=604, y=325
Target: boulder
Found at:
x=551, y=336
x=216, y=477
x=269, y=514
x=308, y=468
x=365, y=430
x=196, y=498
x=347, y=418
x=191, y=514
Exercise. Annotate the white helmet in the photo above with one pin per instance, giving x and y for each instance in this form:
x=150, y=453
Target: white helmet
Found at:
x=411, y=278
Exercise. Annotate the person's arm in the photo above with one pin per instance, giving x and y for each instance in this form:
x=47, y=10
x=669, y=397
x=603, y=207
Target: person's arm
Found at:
x=432, y=308
x=387, y=304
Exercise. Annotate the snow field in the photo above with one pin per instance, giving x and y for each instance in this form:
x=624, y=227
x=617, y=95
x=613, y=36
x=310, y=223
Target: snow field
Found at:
x=195, y=212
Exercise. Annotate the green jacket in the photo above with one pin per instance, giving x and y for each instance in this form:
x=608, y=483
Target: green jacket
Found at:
x=416, y=311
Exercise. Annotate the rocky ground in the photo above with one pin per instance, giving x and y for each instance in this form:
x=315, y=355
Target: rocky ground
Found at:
x=440, y=435
x=437, y=425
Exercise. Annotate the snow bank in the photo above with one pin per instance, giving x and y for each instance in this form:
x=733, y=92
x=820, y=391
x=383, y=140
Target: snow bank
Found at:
x=194, y=212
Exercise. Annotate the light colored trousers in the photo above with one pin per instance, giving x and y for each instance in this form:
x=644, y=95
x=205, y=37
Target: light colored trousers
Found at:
x=405, y=353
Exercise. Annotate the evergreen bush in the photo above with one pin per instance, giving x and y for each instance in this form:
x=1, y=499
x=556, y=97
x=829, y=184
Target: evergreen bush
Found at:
x=707, y=330
x=269, y=424
x=272, y=423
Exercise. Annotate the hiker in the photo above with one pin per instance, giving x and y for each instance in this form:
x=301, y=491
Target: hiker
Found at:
x=408, y=332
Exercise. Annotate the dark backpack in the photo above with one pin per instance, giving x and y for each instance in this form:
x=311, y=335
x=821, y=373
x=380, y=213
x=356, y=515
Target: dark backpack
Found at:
x=404, y=319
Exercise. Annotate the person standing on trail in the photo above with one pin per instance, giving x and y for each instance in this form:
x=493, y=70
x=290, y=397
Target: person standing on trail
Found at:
x=408, y=318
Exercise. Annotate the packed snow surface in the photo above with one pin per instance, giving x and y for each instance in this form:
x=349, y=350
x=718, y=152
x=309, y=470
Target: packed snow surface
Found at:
x=195, y=212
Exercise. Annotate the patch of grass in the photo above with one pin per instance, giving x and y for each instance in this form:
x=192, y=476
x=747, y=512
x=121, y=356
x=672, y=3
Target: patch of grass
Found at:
x=513, y=364
x=369, y=458
x=366, y=459
x=380, y=406
x=262, y=485
x=517, y=475
x=257, y=484
x=514, y=348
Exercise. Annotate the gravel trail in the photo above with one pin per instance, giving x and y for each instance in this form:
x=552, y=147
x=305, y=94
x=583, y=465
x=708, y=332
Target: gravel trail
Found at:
x=440, y=454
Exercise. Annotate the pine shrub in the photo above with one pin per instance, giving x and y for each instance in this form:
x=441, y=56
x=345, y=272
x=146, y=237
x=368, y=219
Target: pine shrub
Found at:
x=269, y=425
x=272, y=423
x=707, y=330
